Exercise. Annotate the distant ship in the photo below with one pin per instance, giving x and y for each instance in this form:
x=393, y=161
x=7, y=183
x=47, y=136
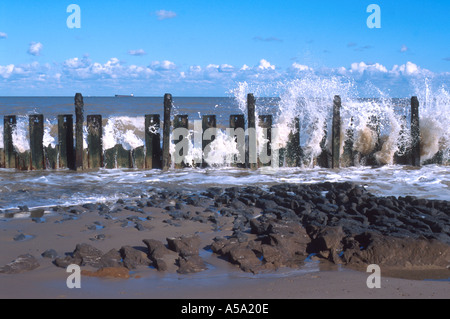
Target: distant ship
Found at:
x=130, y=95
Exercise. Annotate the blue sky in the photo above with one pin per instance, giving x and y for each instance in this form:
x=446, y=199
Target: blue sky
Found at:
x=205, y=48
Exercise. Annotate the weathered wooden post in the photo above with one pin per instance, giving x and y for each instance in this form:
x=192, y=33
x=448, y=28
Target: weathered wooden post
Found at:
x=180, y=139
x=65, y=141
x=9, y=125
x=166, y=132
x=36, y=129
x=336, y=133
x=95, y=143
x=415, y=132
x=324, y=159
x=348, y=156
x=237, y=126
x=208, y=122
x=152, y=142
x=79, y=120
x=252, y=151
x=293, y=150
x=117, y=157
x=265, y=123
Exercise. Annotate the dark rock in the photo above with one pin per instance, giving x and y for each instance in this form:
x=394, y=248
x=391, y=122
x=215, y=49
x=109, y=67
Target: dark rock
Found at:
x=185, y=245
x=90, y=206
x=75, y=211
x=112, y=258
x=237, y=204
x=328, y=242
x=373, y=248
x=50, y=253
x=89, y=255
x=246, y=259
x=21, y=264
x=157, y=253
x=132, y=258
x=290, y=239
x=23, y=208
x=156, y=248
x=66, y=261
x=190, y=264
x=22, y=237
x=37, y=213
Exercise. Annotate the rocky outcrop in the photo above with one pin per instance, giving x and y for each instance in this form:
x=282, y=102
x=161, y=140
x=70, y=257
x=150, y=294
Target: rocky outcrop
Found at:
x=22, y=263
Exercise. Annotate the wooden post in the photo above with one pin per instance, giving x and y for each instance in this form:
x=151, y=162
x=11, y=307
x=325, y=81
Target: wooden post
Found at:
x=237, y=124
x=348, y=156
x=117, y=157
x=323, y=160
x=336, y=133
x=50, y=157
x=265, y=123
x=293, y=150
x=252, y=150
x=9, y=125
x=152, y=142
x=166, y=132
x=180, y=141
x=374, y=125
x=208, y=122
x=79, y=120
x=65, y=141
x=138, y=157
x=415, y=132
x=36, y=129
x=95, y=144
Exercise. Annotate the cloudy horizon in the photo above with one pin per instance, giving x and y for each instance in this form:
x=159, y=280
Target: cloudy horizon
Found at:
x=197, y=50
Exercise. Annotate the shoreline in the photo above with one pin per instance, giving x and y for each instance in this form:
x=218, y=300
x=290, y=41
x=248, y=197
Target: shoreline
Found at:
x=204, y=223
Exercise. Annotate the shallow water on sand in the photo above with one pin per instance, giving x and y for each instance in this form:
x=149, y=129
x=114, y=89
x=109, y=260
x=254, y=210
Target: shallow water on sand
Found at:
x=64, y=187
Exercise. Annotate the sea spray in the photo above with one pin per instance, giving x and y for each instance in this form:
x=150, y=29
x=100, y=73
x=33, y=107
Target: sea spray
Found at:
x=127, y=131
x=20, y=135
x=50, y=137
x=434, y=120
x=377, y=123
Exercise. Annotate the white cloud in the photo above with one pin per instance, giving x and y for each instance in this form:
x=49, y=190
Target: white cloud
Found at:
x=76, y=63
x=138, y=52
x=35, y=48
x=408, y=69
x=163, y=66
x=404, y=48
x=265, y=65
x=300, y=67
x=195, y=68
x=226, y=68
x=6, y=71
x=362, y=67
x=3, y=35
x=164, y=14
x=206, y=79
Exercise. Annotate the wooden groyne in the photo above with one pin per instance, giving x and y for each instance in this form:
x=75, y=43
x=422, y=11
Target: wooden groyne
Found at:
x=71, y=153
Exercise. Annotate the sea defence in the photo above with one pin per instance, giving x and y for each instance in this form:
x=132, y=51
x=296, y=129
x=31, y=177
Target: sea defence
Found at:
x=250, y=141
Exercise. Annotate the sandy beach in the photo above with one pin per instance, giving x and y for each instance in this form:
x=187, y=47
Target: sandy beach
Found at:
x=128, y=222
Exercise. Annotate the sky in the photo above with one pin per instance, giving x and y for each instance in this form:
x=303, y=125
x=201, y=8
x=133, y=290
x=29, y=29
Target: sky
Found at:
x=206, y=48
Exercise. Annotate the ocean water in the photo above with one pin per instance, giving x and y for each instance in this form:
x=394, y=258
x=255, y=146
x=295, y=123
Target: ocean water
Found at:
x=123, y=123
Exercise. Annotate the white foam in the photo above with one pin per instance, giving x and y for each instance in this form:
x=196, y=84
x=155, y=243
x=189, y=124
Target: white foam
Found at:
x=20, y=135
x=124, y=130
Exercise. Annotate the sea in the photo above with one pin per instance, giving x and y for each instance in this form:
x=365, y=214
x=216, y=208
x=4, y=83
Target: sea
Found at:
x=123, y=123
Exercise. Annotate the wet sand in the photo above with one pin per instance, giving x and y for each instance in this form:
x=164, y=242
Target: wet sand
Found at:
x=221, y=280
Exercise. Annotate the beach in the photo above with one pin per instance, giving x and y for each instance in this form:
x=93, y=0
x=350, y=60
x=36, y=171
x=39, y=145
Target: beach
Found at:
x=172, y=245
